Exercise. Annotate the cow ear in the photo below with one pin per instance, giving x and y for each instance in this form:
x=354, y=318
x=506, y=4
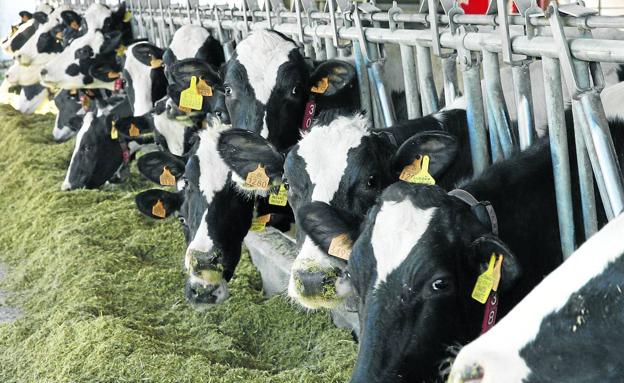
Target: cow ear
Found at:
x=112, y=41
x=105, y=71
x=331, y=77
x=40, y=17
x=25, y=16
x=441, y=147
x=324, y=223
x=133, y=126
x=158, y=204
x=244, y=151
x=161, y=167
x=71, y=19
x=482, y=249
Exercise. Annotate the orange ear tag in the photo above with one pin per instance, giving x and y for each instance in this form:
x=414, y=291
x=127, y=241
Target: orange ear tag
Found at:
x=134, y=131
x=155, y=63
x=258, y=178
x=158, y=210
x=411, y=170
x=166, y=178
x=74, y=25
x=113, y=75
x=321, y=86
x=259, y=223
x=340, y=247
x=203, y=88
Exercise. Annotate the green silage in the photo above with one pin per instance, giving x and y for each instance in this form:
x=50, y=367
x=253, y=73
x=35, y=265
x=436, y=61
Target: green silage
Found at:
x=101, y=289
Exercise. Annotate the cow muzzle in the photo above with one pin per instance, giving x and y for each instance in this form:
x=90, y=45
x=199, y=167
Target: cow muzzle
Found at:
x=205, y=284
x=466, y=374
x=319, y=287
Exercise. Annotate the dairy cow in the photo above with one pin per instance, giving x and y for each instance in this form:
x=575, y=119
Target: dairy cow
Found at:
x=566, y=330
x=69, y=117
x=347, y=164
x=417, y=258
x=103, y=35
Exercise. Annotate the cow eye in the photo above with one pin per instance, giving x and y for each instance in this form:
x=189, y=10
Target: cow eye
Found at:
x=182, y=220
x=439, y=285
x=87, y=148
x=372, y=182
x=295, y=90
x=228, y=91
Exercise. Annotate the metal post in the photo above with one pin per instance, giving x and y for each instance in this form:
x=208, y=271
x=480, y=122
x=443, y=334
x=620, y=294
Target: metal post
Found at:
x=449, y=73
x=330, y=49
x=412, y=96
x=496, y=105
x=362, y=74
x=559, y=152
x=428, y=94
x=524, y=105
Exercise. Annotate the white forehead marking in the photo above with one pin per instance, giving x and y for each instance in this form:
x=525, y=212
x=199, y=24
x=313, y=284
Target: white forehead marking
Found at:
x=325, y=150
x=86, y=125
x=141, y=82
x=172, y=131
x=202, y=241
x=262, y=53
x=504, y=341
x=213, y=172
x=398, y=228
x=187, y=40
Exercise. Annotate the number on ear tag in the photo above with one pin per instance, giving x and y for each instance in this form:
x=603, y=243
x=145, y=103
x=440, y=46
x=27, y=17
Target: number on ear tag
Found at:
x=279, y=199
x=321, y=86
x=423, y=176
x=203, y=88
x=411, y=170
x=340, y=247
x=134, y=131
x=159, y=210
x=190, y=98
x=166, y=178
x=258, y=178
x=259, y=223
x=485, y=282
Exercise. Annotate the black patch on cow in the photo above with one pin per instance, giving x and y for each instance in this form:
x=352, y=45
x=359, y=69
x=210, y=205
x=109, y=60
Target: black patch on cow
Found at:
x=22, y=37
x=211, y=51
x=73, y=70
x=41, y=17
x=48, y=42
x=582, y=341
x=31, y=91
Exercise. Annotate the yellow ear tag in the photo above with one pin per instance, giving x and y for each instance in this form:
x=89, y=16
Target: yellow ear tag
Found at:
x=259, y=223
x=485, y=282
x=114, y=132
x=155, y=63
x=127, y=16
x=190, y=98
x=134, y=131
x=121, y=50
x=321, y=86
x=203, y=88
x=411, y=170
x=279, y=199
x=258, y=178
x=113, y=75
x=340, y=247
x=166, y=178
x=497, y=272
x=423, y=176
x=158, y=209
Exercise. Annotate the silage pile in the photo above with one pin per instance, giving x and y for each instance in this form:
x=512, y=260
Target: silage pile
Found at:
x=101, y=289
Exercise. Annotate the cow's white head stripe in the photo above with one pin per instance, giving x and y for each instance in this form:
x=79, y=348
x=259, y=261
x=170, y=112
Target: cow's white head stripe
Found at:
x=398, y=228
x=86, y=125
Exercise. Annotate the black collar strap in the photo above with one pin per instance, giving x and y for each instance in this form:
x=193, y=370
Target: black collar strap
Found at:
x=389, y=135
x=480, y=208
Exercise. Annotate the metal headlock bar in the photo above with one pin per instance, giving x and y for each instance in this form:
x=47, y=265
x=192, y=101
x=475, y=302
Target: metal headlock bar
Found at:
x=440, y=30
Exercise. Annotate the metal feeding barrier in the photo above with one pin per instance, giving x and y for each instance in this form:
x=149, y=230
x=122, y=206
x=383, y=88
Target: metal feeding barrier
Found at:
x=561, y=36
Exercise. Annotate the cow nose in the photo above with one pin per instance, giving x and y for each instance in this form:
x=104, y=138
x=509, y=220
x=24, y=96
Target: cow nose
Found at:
x=199, y=293
x=44, y=71
x=315, y=283
x=467, y=374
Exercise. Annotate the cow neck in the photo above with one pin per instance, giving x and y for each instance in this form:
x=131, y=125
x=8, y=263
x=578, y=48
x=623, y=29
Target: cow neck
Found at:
x=478, y=207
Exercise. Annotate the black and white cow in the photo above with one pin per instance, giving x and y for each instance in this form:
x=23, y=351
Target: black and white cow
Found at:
x=194, y=41
x=568, y=329
x=415, y=261
x=69, y=117
x=347, y=164
x=97, y=156
x=30, y=98
x=214, y=216
x=104, y=35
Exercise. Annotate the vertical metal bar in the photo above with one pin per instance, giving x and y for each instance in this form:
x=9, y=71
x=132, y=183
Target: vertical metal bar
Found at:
x=267, y=5
x=387, y=109
x=559, y=152
x=428, y=95
x=449, y=74
x=476, y=119
x=365, y=93
x=330, y=49
x=412, y=96
x=142, y=20
x=172, y=28
x=496, y=105
x=524, y=105
x=188, y=11
x=495, y=145
x=152, y=33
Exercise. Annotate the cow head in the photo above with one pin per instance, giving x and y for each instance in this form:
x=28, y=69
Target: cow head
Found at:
x=143, y=76
x=414, y=267
x=30, y=98
x=214, y=216
x=104, y=34
x=97, y=155
x=346, y=164
x=194, y=41
x=69, y=117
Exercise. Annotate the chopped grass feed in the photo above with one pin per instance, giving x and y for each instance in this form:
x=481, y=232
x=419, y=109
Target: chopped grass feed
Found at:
x=101, y=289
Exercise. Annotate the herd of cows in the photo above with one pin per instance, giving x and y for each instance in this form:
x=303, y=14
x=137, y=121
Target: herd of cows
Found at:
x=392, y=218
